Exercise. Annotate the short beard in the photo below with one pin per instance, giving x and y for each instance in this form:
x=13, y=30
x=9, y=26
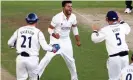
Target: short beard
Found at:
x=68, y=14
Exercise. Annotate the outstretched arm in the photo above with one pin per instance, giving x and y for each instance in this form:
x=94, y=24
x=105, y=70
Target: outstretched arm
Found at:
x=97, y=35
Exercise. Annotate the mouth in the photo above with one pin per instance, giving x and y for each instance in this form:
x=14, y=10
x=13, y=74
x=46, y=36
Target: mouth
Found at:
x=70, y=11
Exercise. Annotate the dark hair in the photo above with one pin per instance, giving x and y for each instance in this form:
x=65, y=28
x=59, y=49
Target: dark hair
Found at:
x=132, y=57
x=65, y=2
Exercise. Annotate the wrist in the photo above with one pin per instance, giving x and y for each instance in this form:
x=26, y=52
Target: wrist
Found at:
x=95, y=31
x=122, y=21
x=51, y=31
x=53, y=50
x=77, y=40
x=53, y=34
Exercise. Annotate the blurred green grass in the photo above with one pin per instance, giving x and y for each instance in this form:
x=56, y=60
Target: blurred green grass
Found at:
x=90, y=58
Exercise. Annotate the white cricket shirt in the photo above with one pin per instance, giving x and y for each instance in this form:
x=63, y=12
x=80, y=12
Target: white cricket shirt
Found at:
x=127, y=73
x=62, y=25
x=114, y=36
x=29, y=39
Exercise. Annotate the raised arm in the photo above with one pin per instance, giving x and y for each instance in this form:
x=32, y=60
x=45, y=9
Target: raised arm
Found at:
x=97, y=35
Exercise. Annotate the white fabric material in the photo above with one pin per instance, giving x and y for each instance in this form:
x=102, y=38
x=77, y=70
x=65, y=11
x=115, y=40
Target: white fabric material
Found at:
x=28, y=40
x=25, y=66
x=75, y=30
x=127, y=73
x=62, y=26
x=115, y=65
x=51, y=31
x=114, y=36
x=31, y=42
x=66, y=53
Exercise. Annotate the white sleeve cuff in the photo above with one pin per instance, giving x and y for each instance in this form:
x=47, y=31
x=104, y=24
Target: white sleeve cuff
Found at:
x=51, y=31
x=75, y=30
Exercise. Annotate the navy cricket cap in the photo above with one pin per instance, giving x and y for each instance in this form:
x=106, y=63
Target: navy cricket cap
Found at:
x=31, y=18
x=112, y=16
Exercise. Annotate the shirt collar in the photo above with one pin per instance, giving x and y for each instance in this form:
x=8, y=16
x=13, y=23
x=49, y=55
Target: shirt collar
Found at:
x=114, y=23
x=64, y=16
x=30, y=26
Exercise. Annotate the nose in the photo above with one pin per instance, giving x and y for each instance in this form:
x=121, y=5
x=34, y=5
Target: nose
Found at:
x=71, y=8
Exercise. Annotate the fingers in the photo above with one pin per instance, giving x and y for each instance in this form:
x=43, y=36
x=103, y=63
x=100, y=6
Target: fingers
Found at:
x=95, y=27
x=56, y=35
x=78, y=43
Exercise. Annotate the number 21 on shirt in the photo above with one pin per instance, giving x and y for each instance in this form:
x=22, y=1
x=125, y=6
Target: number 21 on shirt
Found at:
x=23, y=45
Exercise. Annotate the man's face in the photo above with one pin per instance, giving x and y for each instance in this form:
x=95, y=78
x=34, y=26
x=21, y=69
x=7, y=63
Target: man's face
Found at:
x=68, y=8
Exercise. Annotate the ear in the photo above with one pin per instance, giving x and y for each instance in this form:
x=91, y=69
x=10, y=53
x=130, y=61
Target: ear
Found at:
x=63, y=8
x=107, y=19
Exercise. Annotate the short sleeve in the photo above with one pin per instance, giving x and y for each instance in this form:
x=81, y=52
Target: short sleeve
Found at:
x=75, y=20
x=54, y=21
x=127, y=28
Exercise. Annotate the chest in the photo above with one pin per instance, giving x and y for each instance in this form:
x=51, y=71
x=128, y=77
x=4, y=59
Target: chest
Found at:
x=65, y=24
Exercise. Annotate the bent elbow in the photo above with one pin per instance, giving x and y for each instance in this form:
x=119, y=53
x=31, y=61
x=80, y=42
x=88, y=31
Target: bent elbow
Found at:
x=94, y=39
x=9, y=43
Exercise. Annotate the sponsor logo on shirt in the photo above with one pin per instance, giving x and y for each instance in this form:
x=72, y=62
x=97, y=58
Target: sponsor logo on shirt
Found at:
x=65, y=28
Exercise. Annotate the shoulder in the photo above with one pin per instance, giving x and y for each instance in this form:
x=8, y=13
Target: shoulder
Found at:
x=73, y=15
x=37, y=29
x=57, y=15
x=105, y=28
x=127, y=67
x=21, y=28
x=124, y=24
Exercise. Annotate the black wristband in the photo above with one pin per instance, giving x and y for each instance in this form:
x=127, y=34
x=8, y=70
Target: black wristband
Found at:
x=121, y=22
x=95, y=31
x=132, y=57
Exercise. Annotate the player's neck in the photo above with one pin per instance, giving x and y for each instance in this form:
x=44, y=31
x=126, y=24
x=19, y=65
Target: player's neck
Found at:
x=112, y=22
x=32, y=25
x=131, y=63
x=66, y=15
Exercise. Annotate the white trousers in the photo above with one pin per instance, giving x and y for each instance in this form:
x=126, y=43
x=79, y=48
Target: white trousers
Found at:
x=25, y=67
x=115, y=65
x=66, y=52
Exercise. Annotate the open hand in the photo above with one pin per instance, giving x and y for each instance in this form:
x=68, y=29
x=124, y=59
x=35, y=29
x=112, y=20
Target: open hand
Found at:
x=94, y=27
